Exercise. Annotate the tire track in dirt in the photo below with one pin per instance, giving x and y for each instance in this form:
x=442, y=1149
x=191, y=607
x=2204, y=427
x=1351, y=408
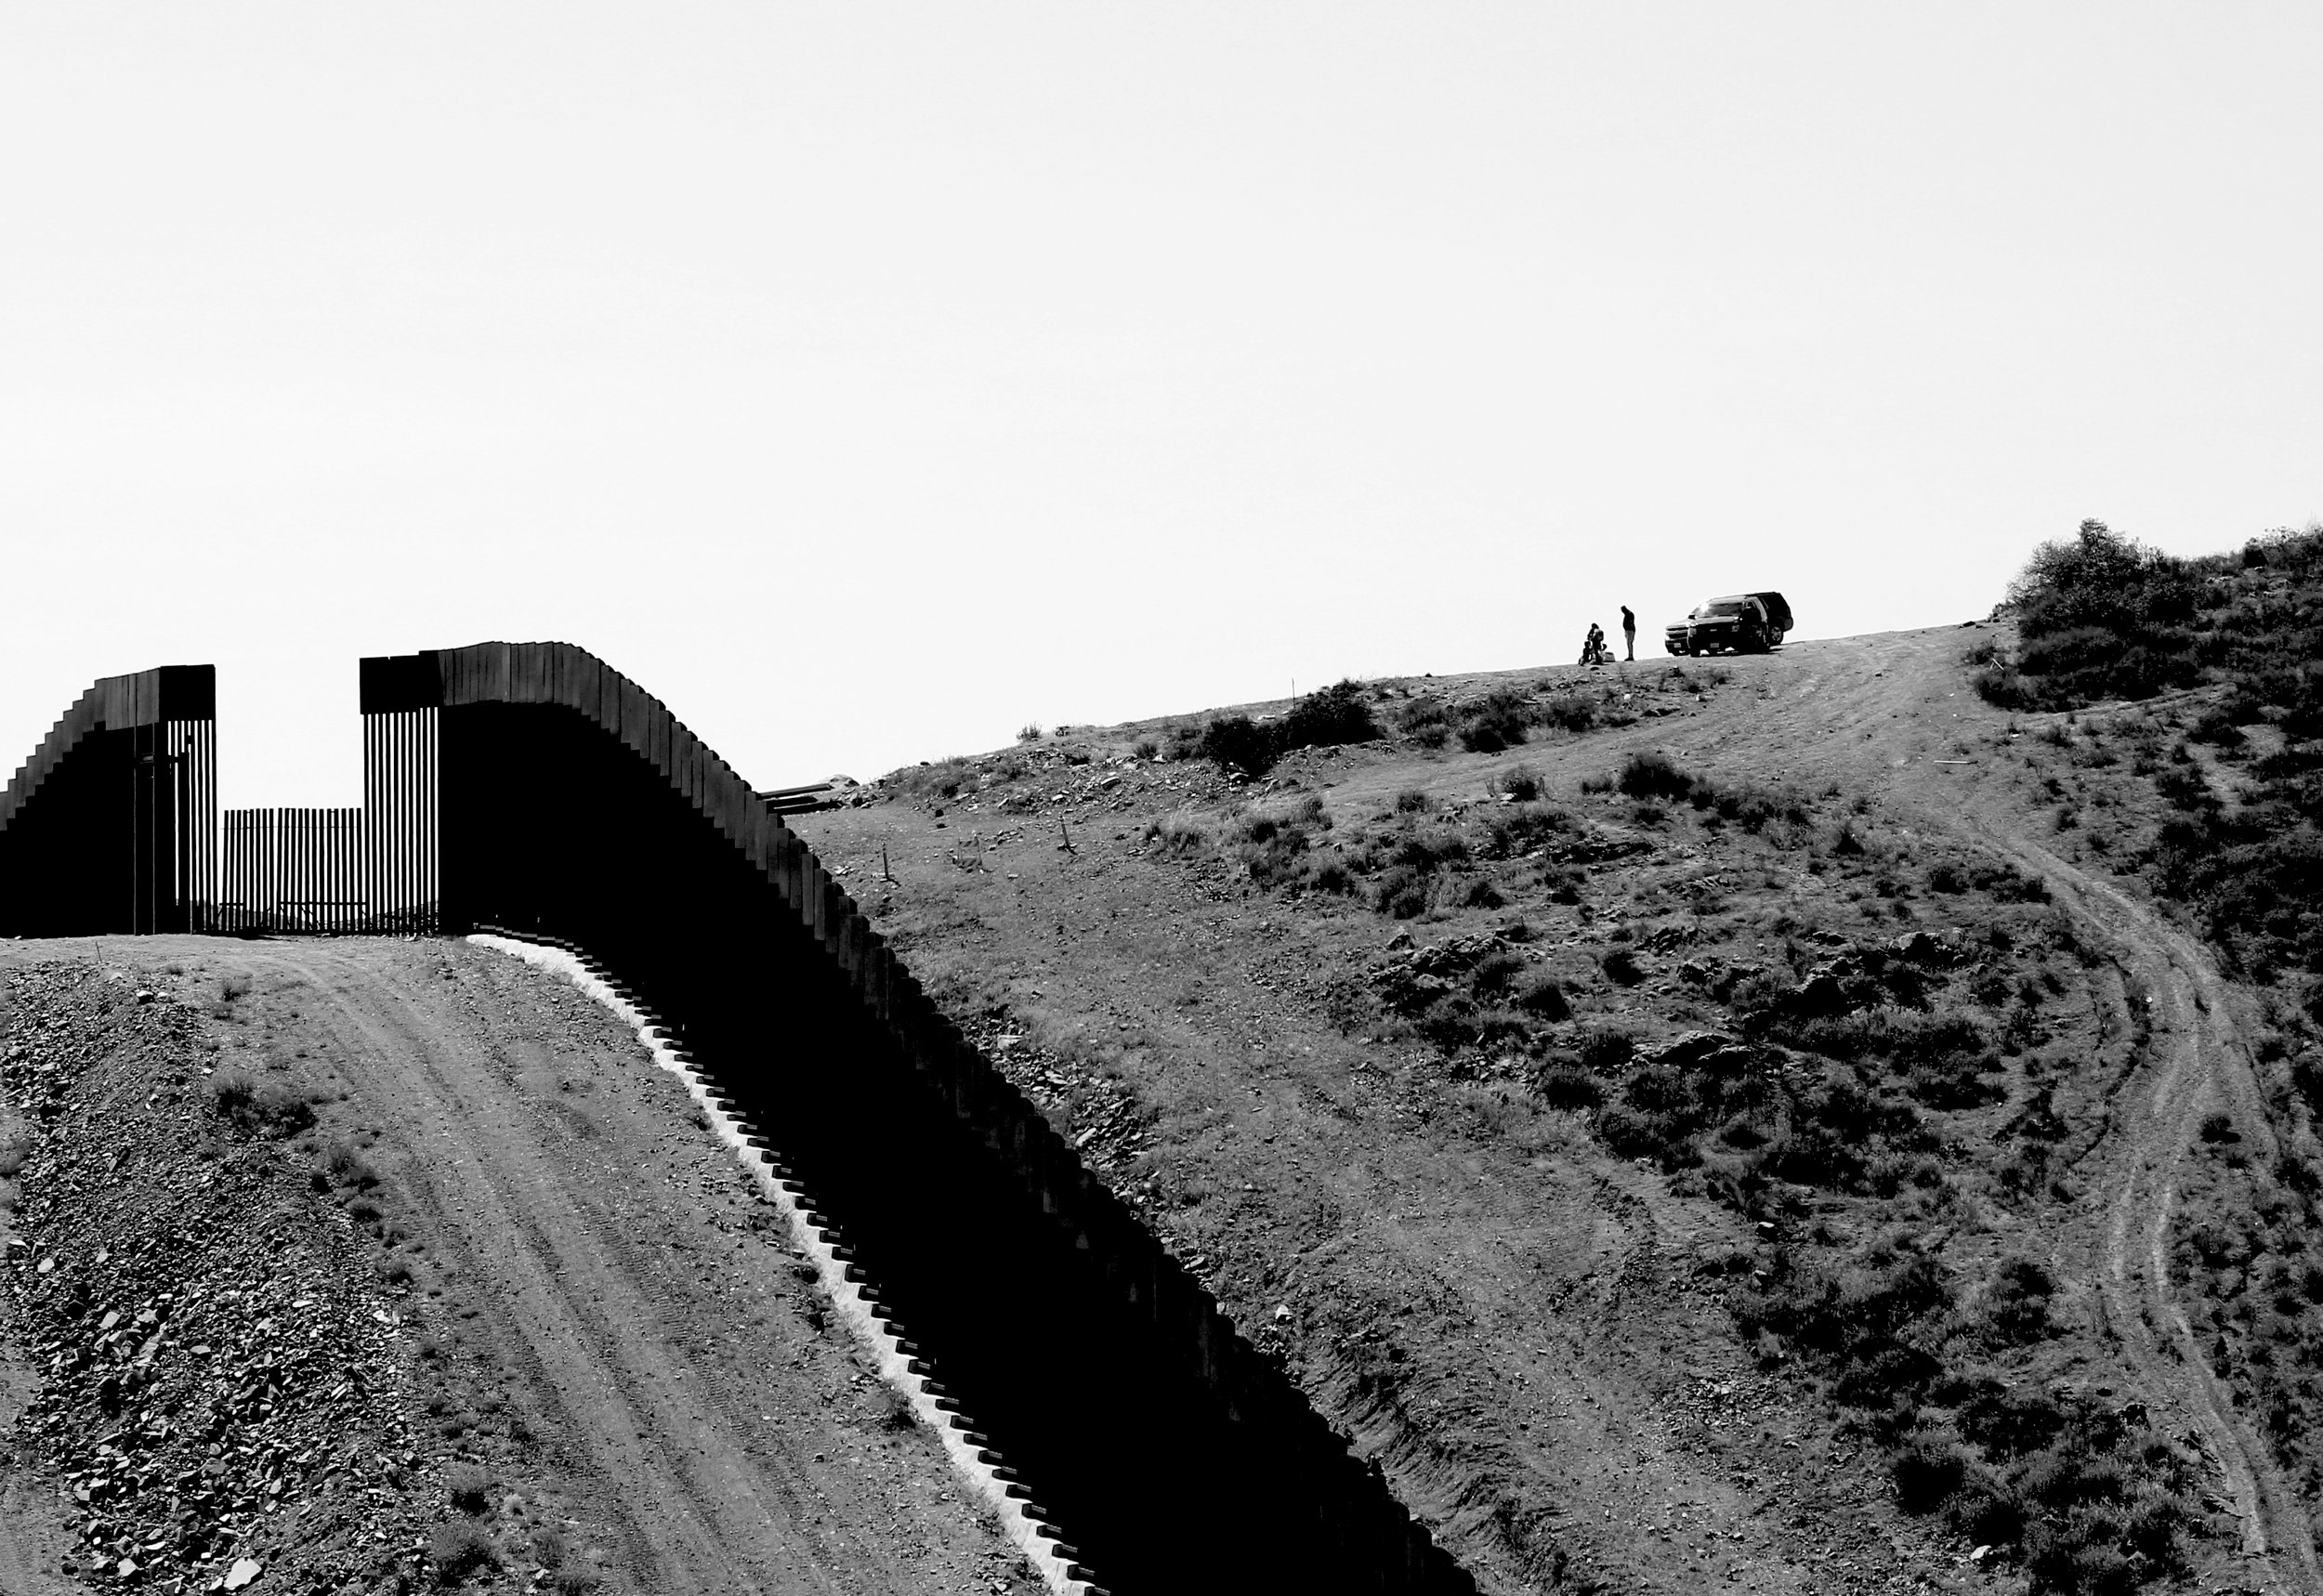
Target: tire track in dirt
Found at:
x=2197, y=1063
x=578, y=1309
x=2197, y=1066
x=658, y=1430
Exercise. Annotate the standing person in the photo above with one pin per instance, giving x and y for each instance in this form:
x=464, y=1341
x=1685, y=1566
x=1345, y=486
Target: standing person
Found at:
x=1629, y=632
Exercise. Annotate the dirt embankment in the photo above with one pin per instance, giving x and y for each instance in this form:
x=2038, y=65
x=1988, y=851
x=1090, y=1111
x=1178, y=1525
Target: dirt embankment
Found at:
x=1536, y=1335
x=449, y=1287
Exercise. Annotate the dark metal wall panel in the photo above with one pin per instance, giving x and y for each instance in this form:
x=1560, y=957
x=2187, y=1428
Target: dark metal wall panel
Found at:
x=106, y=825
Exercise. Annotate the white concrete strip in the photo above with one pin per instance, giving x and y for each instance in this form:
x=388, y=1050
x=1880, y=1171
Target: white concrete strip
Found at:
x=847, y=1299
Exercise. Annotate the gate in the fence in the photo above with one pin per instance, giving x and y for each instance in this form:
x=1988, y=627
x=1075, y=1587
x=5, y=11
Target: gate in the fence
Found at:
x=293, y=870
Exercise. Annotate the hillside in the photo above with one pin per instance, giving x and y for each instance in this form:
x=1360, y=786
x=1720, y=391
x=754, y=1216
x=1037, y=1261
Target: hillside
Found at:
x=1685, y=1123
x=1839, y=1121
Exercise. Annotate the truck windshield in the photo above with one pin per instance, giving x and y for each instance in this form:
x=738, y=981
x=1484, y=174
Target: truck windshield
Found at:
x=1732, y=607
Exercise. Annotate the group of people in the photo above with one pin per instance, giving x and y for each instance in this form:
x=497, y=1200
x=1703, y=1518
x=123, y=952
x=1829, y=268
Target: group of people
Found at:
x=1594, y=651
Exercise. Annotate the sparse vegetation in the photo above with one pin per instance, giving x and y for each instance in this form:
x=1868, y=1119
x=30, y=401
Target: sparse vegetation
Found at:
x=255, y=1108
x=458, y=1549
x=470, y=1489
x=1521, y=784
x=2089, y=1496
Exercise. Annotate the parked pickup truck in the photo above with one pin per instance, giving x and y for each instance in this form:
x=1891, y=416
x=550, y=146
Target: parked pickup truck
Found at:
x=1741, y=623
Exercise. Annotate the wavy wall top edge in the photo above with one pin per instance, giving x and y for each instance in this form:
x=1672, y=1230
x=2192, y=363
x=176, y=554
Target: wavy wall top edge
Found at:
x=113, y=704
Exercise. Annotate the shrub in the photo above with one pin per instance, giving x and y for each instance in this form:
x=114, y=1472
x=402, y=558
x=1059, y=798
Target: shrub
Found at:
x=1520, y=828
x=2100, y=617
x=548, y=1546
x=1498, y=720
x=1750, y=807
x=1145, y=748
x=1540, y=994
x=1180, y=833
x=1651, y=774
x=1240, y=743
x=1620, y=965
x=1337, y=714
x=1425, y=722
x=1568, y=712
x=470, y=1488
x=1329, y=875
x=231, y=1093
x=2016, y=1302
x=1927, y=1474
x=344, y=1166
x=896, y=1411
x=1605, y=1050
x=1273, y=843
x=272, y=1107
x=1030, y=732
x=1475, y=892
x=1998, y=685
x=458, y=1549
x=280, y=1109
x=1495, y=973
x=1520, y=782
x=1568, y=1086
x=1402, y=893
x=1412, y=801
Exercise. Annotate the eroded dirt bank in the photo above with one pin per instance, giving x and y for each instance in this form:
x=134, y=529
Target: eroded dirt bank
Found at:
x=449, y=1288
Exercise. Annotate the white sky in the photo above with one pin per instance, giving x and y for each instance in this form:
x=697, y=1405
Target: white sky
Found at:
x=868, y=380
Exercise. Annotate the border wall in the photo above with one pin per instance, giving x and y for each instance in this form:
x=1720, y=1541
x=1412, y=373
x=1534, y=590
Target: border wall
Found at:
x=531, y=789
x=573, y=807
x=112, y=824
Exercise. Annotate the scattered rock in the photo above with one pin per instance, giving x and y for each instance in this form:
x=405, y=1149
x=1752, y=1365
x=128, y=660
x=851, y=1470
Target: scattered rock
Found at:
x=1689, y=1050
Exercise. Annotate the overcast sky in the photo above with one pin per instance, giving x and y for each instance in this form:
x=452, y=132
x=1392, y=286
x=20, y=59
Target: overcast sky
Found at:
x=869, y=380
